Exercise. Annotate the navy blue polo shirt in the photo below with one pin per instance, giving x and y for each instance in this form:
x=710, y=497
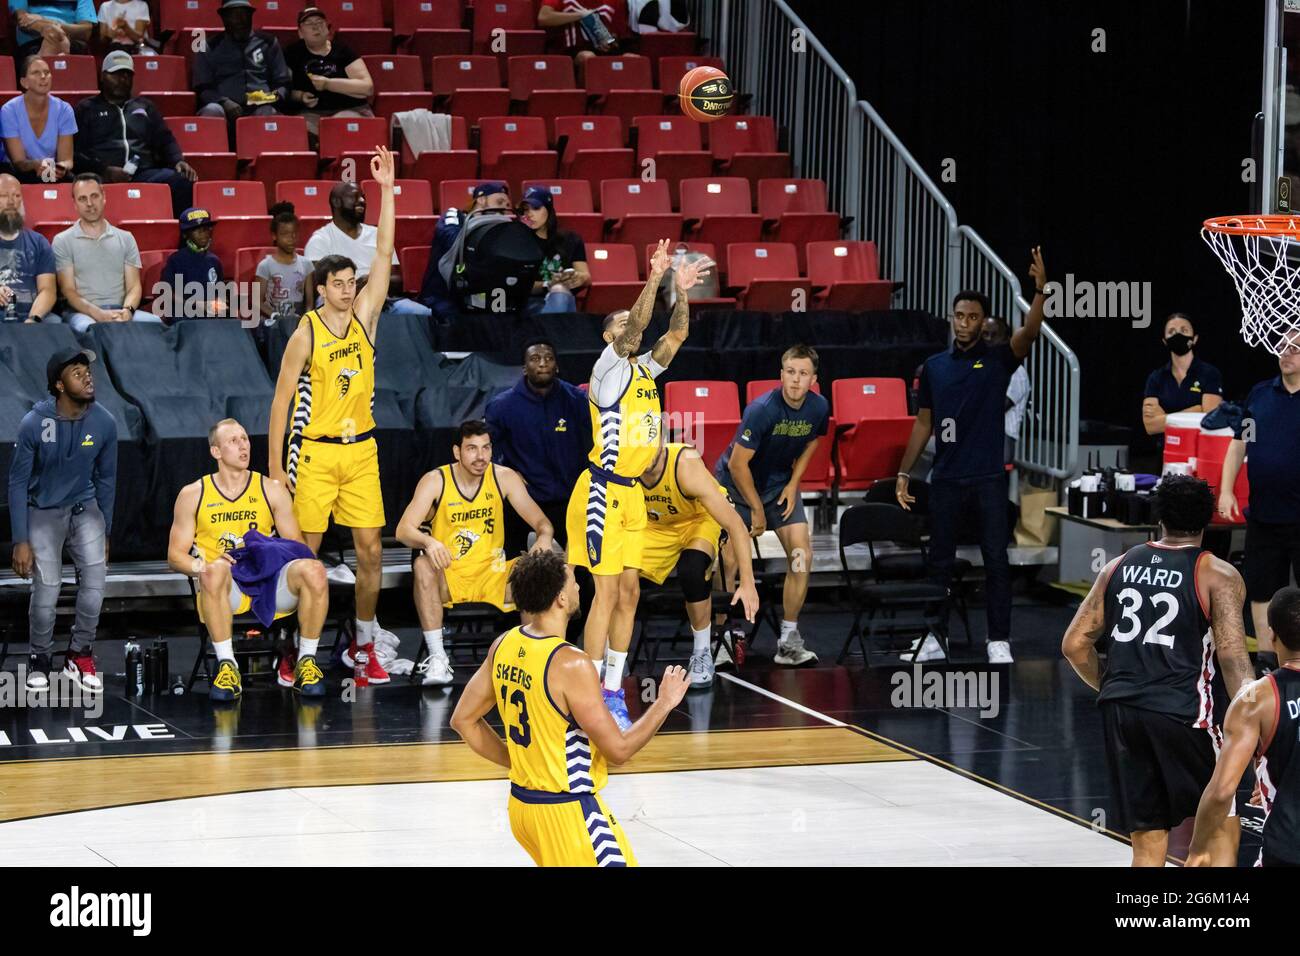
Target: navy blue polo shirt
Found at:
x=777, y=435
x=1274, y=477
x=970, y=389
x=1201, y=379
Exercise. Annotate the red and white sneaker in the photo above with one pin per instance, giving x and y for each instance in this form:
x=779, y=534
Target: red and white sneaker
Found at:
x=81, y=668
x=285, y=672
x=375, y=672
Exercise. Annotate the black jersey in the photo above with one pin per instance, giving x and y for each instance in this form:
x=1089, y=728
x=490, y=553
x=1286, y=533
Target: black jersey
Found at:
x=1160, y=655
x=1279, y=772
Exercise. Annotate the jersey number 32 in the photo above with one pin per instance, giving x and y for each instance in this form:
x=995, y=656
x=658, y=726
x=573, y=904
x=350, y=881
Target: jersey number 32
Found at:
x=1130, y=600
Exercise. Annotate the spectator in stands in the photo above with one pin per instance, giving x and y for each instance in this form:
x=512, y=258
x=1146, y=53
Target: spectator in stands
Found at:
x=541, y=429
x=433, y=291
x=124, y=138
x=62, y=482
x=329, y=79
x=568, y=31
x=564, y=270
x=27, y=285
x=194, y=264
x=47, y=157
x=963, y=400
x=284, y=275
x=242, y=72
x=761, y=470
x=346, y=234
x=51, y=27
x=1186, y=384
x=98, y=265
x=124, y=25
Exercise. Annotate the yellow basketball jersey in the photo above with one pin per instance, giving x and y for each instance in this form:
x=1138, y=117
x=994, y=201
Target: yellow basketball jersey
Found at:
x=666, y=505
x=220, y=522
x=472, y=527
x=625, y=436
x=336, y=391
x=548, y=751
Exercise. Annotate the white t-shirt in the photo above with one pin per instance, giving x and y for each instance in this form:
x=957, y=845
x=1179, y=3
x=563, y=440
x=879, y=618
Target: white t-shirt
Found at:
x=612, y=373
x=330, y=240
x=133, y=11
x=1018, y=393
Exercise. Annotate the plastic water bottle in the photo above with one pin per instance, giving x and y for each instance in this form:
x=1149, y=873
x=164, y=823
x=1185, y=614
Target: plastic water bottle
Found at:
x=362, y=661
x=134, y=669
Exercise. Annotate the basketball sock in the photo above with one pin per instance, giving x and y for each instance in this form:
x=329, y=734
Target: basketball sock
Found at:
x=787, y=627
x=600, y=667
x=614, y=668
x=307, y=646
x=433, y=641
x=702, y=637
x=225, y=651
x=365, y=632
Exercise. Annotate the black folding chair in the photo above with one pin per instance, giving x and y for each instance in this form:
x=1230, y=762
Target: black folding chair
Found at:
x=270, y=646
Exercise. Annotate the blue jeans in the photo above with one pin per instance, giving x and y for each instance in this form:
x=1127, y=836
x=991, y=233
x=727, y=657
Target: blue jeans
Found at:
x=80, y=322
x=987, y=497
x=407, y=307
x=553, y=302
x=79, y=529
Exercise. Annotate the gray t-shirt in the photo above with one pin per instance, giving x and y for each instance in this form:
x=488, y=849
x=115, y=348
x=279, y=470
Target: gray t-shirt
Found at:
x=285, y=284
x=98, y=264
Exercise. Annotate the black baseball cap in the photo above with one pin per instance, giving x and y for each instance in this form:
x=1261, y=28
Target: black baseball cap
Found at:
x=489, y=189
x=539, y=197
x=311, y=12
x=61, y=360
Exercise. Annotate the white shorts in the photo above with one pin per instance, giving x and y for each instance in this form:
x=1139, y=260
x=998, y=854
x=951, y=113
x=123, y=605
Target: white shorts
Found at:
x=285, y=601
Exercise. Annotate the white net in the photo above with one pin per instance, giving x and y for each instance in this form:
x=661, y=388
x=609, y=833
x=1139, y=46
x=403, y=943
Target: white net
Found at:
x=1262, y=254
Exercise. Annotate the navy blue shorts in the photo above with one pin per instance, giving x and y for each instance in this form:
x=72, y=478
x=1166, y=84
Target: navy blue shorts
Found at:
x=770, y=508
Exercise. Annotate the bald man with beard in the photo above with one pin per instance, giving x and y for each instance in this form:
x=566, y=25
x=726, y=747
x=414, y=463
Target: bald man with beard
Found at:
x=28, y=287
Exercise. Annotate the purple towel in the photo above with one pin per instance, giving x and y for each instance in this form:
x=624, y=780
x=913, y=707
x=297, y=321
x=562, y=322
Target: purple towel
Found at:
x=257, y=566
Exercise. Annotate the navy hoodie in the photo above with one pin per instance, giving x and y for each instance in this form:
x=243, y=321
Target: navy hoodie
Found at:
x=546, y=438
x=79, y=464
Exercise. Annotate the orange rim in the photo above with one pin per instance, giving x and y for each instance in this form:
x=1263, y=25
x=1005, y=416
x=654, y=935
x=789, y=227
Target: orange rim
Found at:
x=1255, y=225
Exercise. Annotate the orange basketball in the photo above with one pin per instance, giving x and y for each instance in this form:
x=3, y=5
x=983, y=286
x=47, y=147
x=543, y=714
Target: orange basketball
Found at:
x=706, y=94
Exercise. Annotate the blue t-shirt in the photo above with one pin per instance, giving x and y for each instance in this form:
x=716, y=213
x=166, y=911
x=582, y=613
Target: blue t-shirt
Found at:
x=22, y=259
x=1271, y=457
x=777, y=434
x=59, y=122
x=64, y=11
x=191, y=266
x=966, y=392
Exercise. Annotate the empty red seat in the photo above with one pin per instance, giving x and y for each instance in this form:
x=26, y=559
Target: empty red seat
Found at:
x=846, y=275
x=746, y=146
x=8, y=77
x=875, y=411
x=615, y=283
x=274, y=148
x=673, y=142
x=351, y=137
x=766, y=276
x=720, y=210
x=657, y=44
x=429, y=28
x=573, y=204
x=231, y=198
x=820, y=473
x=638, y=212
x=310, y=197
x=233, y=233
x=469, y=86
x=204, y=142
x=359, y=24
x=459, y=162
x=179, y=14
x=246, y=261
x=413, y=206
x=49, y=208
x=414, y=262
x=673, y=68
x=547, y=86
x=622, y=86
x=75, y=77
x=399, y=86
x=165, y=80
x=703, y=413
x=138, y=200
x=517, y=19
x=794, y=210
x=456, y=193
x=278, y=14
x=593, y=149
x=515, y=148
x=151, y=267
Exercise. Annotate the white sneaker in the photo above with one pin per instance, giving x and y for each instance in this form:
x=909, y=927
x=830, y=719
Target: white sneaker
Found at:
x=340, y=574
x=1000, y=652
x=791, y=652
x=930, y=650
x=700, y=670
x=436, y=670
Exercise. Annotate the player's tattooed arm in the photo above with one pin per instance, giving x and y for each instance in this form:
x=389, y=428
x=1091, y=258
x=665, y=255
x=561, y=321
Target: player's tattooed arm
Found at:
x=685, y=277
x=1227, y=596
x=644, y=306
x=1080, y=642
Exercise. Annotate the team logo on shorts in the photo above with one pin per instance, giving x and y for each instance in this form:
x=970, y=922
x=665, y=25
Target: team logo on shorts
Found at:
x=464, y=540
x=344, y=380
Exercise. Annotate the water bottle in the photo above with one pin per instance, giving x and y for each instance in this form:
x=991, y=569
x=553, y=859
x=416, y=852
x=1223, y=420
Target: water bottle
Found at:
x=150, y=665
x=160, y=677
x=134, y=669
x=362, y=661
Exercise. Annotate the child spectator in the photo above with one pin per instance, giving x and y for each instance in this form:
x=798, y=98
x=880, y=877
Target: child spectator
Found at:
x=284, y=275
x=124, y=25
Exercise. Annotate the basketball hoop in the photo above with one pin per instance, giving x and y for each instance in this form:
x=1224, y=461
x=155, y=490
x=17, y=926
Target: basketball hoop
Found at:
x=1262, y=254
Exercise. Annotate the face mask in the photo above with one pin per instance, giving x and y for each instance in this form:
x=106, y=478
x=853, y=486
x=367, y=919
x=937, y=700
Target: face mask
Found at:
x=1179, y=344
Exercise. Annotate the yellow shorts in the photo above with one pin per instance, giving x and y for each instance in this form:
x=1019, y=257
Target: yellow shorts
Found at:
x=479, y=583
x=578, y=830
x=342, y=479
x=662, y=546
x=605, y=522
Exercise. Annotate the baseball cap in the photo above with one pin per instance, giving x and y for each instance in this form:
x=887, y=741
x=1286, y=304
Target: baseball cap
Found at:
x=194, y=217
x=62, y=359
x=311, y=12
x=118, y=60
x=539, y=197
x=489, y=189
x=233, y=4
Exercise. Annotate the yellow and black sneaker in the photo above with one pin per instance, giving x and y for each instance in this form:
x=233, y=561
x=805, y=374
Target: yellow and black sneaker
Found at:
x=308, y=679
x=225, y=686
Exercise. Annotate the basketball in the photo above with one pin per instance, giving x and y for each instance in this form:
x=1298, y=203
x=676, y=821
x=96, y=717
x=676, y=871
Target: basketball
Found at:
x=706, y=94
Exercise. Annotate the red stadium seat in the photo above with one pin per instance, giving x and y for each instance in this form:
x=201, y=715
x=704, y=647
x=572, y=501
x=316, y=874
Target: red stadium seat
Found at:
x=547, y=85
x=873, y=398
x=615, y=283
x=766, y=275
x=233, y=233
x=847, y=276
x=165, y=80
x=429, y=28
x=178, y=14
x=359, y=24
x=875, y=428
x=638, y=212
x=456, y=193
x=246, y=261
x=573, y=204
x=151, y=267
x=310, y=197
x=8, y=76
x=138, y=201
x=622, y=86
x=351, y=137
x=49, y=209
x=593, y=150
x=459, y=162
x=399, y=86
x=414, y=262
x=413, y=204
x=274, y=148
x=673, y=68
x=515, y=148
x=657, y=44
x=794, y=210
x=279, y=14
x=673, y=142
x=231, y=198
x=703, y=413
x=746, y=146
x=518, y=20
x=75, y=77
x=707, y=248
x=820, y=473
x=469, y=86
x=720, y=211
x=203, y=141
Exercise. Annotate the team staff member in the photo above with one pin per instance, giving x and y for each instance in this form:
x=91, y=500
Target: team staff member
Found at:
x=1186, y=384
x=211, y=517
x=62, y=483
x=962, y=399
x=606, y=517
x=761, y=470
x=328, y=375
x=456, y=521
x=1262, y=720
x=687, y=512
x=560, y=737
x=1273, y=515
